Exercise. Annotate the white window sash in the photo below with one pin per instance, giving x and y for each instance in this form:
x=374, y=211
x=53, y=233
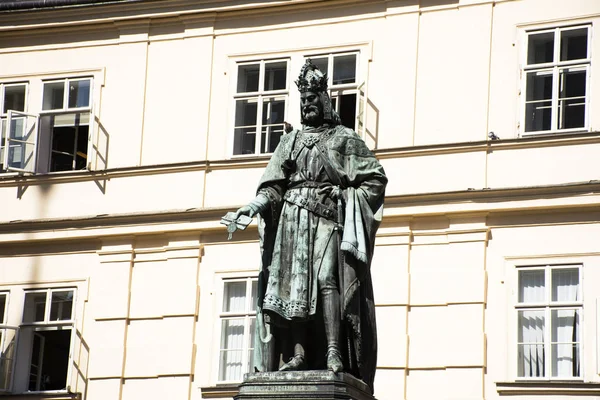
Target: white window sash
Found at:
x=31, y=137
x=555, y=66
x=547, y=307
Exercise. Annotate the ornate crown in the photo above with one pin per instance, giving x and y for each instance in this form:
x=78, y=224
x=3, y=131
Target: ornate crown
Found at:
x=311, y=79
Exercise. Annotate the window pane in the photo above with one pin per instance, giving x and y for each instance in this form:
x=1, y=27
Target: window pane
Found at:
x=530, y=359
x=572, y=114
x=531, y=326
x=245, y=112
x=531, y=354
x=5, y=373
x=234, y=297
x=540, y=48
x=565, y=326
x=565, y=284
x=572, y=83
x=270, y=136
x=21, y=148
x=35, y=307
x=53, y=95
x=573, y=44
x=79, y=93
x=254, y=295
x=273, y=111
x=275, y=75
x=62, y=306
x=2, y=308
x=347, y=110
x=232, y=334
x=538, y=116
x=321, y=63
x=251, y=346
x=248, y=78
x=344, y=69
x=539, y=86
x=14, y=98
x=244, y=141
x=532, y=286
x=230, y=365
x=566, y=360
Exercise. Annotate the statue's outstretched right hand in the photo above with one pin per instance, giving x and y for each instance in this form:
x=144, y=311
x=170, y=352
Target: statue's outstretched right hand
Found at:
x=245, y=210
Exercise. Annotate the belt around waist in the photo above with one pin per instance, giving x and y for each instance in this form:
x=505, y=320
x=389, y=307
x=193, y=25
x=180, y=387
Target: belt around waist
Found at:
x=295, y=197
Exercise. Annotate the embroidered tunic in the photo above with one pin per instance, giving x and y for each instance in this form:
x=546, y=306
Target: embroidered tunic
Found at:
x=305, y=243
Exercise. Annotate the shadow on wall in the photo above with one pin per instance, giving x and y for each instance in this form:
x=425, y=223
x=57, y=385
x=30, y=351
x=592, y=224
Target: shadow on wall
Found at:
x=372, y=125
x=100, y=149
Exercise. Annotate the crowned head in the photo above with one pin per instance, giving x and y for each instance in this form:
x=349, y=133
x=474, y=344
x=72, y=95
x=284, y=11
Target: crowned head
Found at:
x=311, y=79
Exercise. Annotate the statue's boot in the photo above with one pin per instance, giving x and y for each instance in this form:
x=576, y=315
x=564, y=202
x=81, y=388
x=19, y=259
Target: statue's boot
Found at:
x=332, y=319
x=296, y=363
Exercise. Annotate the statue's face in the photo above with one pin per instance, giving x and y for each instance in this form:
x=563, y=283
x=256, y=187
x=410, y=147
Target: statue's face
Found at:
x=311, y=108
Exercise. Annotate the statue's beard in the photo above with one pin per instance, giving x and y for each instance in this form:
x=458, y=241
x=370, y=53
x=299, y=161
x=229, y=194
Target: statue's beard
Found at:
x=311, y=115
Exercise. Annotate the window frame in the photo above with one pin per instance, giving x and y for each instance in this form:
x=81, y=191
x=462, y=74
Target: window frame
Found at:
x=221, y=315
x=548, y=306
x=259, y=95
x=554, y=69
x=48, y=325
x=65, y=110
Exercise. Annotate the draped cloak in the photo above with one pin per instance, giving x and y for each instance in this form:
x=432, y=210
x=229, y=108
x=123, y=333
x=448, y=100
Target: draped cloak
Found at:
x=362, y=182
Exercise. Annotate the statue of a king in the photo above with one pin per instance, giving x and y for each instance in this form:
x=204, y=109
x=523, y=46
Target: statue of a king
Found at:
x=320, y=202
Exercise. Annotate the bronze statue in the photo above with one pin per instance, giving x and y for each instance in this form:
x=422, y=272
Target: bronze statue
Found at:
x=320, y=202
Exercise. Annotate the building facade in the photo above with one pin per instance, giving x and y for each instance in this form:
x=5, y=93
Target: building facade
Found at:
x=130, y=127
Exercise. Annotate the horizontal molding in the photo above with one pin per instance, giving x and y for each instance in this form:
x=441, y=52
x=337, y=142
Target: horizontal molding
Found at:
x=548, y=388
x=220, y=392
x=12, y=180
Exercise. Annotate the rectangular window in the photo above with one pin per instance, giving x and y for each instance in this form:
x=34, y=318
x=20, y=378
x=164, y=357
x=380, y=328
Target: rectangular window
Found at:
x=556, y=80
x=46, y=335
x=549, y=312
x=65, y=125
x=342, y=72
x=260, y=106
x=237, y=321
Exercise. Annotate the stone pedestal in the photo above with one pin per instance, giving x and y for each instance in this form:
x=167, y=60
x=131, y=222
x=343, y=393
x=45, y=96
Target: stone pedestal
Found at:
x=300, y=385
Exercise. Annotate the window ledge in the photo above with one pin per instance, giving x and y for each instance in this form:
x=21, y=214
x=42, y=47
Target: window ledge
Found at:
x=225, y=391
x=548, y=388
x=42, y=396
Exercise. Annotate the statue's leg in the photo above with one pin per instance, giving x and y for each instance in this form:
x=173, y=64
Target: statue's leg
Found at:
x=297, y=363
x=331, y=317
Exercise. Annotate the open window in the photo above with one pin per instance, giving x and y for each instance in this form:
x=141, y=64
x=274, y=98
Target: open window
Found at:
x=65, y=123
x=46, y=340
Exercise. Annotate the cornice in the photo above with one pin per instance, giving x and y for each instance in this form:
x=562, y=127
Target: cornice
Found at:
x=82, y=17
x=196, y=220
